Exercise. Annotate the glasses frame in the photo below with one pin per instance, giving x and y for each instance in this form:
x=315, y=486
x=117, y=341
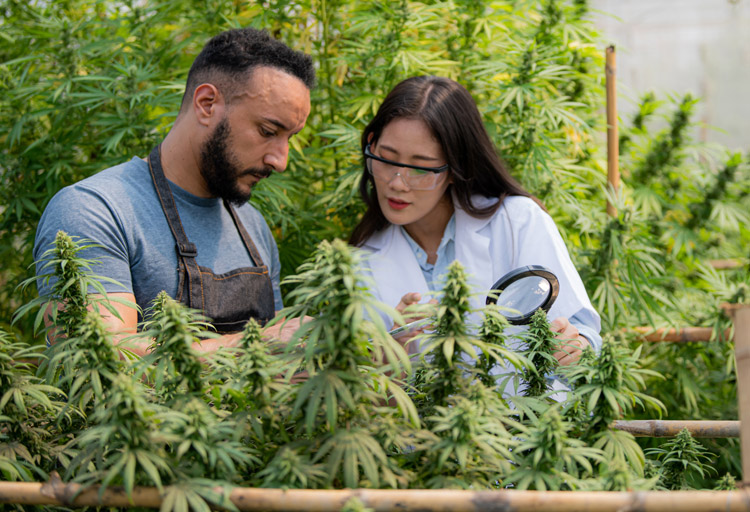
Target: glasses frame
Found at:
x=436, y=170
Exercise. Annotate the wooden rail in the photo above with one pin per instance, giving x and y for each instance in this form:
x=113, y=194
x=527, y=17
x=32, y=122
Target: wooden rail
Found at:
x=670, y=428
x=727, y=264
x=56, y=492
x=681, y=335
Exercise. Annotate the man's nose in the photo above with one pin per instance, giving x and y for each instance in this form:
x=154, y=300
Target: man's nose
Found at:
x=277, y=156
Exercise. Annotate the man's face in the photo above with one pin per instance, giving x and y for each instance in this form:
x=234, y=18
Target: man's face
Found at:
x=252, y=138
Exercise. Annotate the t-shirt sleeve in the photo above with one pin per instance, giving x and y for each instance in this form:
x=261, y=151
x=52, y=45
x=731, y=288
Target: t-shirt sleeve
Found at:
x=85, y=215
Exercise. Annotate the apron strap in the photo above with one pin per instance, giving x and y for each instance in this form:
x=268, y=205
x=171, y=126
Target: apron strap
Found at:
x=186, y=250
x=254, y=254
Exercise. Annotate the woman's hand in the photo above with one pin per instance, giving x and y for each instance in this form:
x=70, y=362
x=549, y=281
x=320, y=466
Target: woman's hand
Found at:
x=404, y=337
x=572, y=342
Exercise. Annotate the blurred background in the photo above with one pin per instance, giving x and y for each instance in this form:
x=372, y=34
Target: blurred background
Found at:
x=679, y=46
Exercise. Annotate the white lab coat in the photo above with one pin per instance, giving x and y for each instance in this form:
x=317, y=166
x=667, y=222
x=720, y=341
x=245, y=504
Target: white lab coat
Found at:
x=520, y=233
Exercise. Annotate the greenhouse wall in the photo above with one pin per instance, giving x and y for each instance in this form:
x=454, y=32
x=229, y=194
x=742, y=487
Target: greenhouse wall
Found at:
x=679, y=46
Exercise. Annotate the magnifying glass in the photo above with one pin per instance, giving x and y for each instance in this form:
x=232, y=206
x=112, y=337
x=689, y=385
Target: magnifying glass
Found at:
x=522, y=291
x=519, y=293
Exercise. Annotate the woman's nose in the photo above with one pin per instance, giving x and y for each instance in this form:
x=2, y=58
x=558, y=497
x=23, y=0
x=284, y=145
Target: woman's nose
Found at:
x=400, y=183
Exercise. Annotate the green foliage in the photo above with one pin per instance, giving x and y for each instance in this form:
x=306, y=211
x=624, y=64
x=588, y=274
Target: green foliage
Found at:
x=124, y=444
x=448, y=350
x=682, y=460
x=539, y=349
x=91, y=360
x=195, y=430
x=551, y=459
x=492, y=333
x=608, y=387
x=26, y=404
x=472, y=442
x=336, y=414
x=172, y=361
x=86, y=84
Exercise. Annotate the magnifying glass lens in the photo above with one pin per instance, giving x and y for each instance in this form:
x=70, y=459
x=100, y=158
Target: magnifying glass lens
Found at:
x=525, y=295
x=522, y=291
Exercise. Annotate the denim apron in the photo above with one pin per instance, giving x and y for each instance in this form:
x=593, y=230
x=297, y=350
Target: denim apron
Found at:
x=230, y=299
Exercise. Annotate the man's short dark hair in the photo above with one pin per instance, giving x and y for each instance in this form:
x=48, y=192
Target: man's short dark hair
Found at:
x=228, y=59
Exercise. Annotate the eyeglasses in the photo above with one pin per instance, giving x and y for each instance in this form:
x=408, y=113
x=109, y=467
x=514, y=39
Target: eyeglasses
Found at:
x=415, y=177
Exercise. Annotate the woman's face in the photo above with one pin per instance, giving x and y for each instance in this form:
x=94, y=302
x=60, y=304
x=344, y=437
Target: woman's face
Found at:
x=410, y=141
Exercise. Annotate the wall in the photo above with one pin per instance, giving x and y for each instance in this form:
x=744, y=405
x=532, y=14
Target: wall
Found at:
x=679, y=46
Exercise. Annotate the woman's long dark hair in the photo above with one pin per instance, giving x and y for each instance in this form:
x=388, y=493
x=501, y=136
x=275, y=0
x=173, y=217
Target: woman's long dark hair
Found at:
x=449, y=111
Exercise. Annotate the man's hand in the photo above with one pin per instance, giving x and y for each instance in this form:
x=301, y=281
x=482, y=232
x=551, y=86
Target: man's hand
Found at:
x=572, y=343
x=284, y=330
x=124, y=327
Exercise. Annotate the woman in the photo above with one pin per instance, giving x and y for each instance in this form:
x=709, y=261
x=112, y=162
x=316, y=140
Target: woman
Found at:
x=436, y=191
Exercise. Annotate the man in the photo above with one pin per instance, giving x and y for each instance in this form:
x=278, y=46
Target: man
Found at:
x=179, y=220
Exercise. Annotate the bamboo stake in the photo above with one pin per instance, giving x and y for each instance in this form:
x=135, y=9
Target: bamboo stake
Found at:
x=387, y=500
x=727, y=264
x=613, y=142
x=740, y=314
x=681, y=335
x=670, y=428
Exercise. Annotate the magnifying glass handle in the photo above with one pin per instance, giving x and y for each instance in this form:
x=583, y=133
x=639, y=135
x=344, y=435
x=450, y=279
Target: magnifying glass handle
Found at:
x=410, y=327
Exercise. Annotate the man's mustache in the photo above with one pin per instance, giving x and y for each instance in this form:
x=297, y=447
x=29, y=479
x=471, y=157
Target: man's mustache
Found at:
x=258, y=173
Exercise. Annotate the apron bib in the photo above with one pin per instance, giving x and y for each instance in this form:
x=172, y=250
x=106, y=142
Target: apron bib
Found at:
x=230, y=299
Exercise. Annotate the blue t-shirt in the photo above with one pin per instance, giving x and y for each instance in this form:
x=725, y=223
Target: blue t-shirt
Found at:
x=118, y=208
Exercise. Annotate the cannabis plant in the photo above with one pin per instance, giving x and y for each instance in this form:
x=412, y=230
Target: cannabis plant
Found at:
x=26, y=406
x=451, y=349
x=124, y=444
x=93, y=359
x=468, y=441
x=172, y=362
x=73, y=288
x=493, y=333
x=548, y=458
x=607, y=387
x=683, y=461
x=471, y=445
x=338, y=407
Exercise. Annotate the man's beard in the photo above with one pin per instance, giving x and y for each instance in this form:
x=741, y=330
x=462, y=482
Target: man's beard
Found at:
x=219, y=171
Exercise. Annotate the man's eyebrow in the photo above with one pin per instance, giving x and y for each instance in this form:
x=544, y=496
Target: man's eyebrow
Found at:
x=276, y=123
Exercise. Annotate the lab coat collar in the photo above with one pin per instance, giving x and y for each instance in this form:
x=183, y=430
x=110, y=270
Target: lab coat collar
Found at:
x=473, y=247
x=395, y=258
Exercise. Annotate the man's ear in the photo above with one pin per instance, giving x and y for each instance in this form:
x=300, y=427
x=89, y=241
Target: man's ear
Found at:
x=208, y=103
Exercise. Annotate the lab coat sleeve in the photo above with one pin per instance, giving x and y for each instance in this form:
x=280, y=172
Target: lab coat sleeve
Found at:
x=535, y=240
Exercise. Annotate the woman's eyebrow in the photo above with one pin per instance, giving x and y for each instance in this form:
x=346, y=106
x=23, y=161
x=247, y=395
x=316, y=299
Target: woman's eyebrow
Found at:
x=418, y=157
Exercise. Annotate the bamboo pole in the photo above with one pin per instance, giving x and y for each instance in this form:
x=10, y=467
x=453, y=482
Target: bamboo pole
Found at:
x=740, y=314
x=670, y=428
x=681, y=335
x=386, y=500
x=613, y=142
x=727, y=264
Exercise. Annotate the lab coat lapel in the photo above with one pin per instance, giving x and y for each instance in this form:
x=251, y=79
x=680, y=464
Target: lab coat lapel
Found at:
x=394, y=267
x=473, y=251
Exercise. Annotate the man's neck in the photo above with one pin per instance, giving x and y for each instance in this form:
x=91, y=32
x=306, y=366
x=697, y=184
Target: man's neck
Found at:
x=180, y=157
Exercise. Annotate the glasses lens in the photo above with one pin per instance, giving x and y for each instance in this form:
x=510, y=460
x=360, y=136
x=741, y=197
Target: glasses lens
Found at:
x=415, y=179
x=421, y=180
